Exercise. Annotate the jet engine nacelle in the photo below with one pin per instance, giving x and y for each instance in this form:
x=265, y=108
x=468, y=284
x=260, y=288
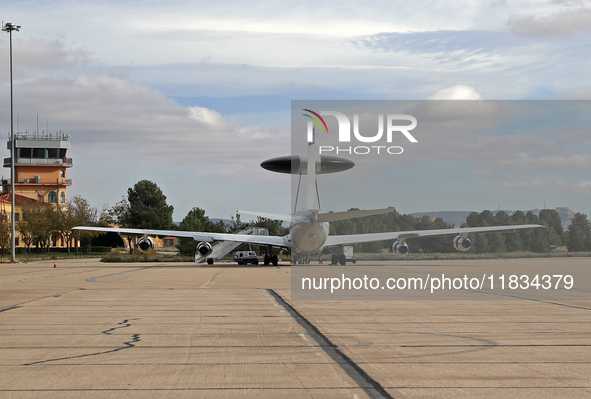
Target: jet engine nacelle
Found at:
x=400, y=248
x=462, y=244
x=145, y=244
x=204, y=248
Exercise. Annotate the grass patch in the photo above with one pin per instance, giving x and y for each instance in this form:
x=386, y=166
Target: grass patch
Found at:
x=24, y=258
x=152, y=256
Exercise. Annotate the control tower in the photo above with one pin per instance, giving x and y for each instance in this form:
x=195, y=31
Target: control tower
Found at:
x=40, y=165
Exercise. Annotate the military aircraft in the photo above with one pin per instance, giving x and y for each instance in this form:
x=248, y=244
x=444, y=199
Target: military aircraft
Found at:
x=309, y=228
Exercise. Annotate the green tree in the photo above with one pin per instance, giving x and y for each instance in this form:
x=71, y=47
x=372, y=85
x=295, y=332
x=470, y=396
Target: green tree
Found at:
x=85, y=215
x=195, y=221
x=579, y=233
x=76, y=212
x=441, y=244
x=271, y=225
x=120, y=213
x=5, y=242
x=485, y=243
x=26, y=233
x=342, y=227
x=40, y=218
x=237, y=224
x=222, y=226
x=148, y=208
x=502, y=218
x=63, y=220
x=552, y=219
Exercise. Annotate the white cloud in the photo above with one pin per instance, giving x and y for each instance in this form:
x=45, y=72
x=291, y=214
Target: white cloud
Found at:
x=562, y=24
x=582, y=187
x=573, y=138
x=458, y=92
x=539, y=185
x=549, y=185
x=524, y=163
x=207, y=117
x=578, y=93
x=39, y=54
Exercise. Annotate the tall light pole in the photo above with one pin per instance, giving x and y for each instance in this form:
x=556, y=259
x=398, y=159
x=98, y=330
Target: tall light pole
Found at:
x=9, y=27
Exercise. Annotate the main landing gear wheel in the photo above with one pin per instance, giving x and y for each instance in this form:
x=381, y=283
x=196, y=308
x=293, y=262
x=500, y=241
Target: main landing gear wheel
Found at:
x=343, y=260
x=274, y=260
x=334, y=260
x=266, y=259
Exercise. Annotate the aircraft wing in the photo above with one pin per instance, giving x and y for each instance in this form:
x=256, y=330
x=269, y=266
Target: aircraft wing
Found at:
x=196, y=235
x=361, y=238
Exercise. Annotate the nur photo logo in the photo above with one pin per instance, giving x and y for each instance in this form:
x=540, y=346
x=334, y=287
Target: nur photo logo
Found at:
x=393, y=127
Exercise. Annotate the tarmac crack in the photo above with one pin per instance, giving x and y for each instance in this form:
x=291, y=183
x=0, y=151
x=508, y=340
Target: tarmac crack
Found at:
x=126, y=345
x=371, y=387
x=9, y=308
x=93, y=279
x=213, y=278
x=20, y=305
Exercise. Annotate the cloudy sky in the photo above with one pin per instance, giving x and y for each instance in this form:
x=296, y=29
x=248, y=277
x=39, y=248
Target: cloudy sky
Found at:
x=194, y=95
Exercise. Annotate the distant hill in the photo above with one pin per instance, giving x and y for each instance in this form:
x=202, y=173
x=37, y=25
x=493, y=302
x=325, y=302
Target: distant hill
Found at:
x=216, y=220
x=456, y=218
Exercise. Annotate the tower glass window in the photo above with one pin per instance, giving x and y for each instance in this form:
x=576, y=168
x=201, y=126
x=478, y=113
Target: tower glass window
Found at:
x=52, y=197
x=39, y=153
x=25, y=153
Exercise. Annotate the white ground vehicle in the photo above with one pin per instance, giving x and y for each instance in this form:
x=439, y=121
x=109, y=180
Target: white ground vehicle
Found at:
x=246, y=257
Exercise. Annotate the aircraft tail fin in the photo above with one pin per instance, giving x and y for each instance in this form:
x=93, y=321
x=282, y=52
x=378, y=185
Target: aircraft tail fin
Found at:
x=311, y=171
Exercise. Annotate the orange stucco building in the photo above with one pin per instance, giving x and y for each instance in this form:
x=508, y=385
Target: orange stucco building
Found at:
x=40, y=168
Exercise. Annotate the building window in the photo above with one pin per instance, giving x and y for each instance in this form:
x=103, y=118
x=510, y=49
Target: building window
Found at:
x=52, y=197
x=62, y=174
x=16, y=241
x=24, y=153
x=38, y=153
x=63, y=197
x=17, y=216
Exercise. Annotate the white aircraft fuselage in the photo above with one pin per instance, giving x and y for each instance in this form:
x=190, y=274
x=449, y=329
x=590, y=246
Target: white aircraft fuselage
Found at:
x=308, y=238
